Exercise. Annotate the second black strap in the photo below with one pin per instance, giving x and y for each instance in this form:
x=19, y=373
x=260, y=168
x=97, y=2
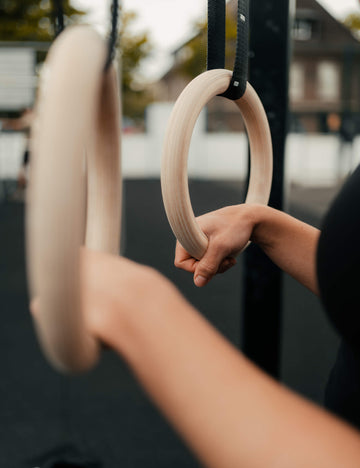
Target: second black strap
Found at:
x=216, y=44
x=239, y=78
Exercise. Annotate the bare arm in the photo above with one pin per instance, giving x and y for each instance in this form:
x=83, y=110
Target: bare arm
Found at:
x=228, y=411
x=290, y=243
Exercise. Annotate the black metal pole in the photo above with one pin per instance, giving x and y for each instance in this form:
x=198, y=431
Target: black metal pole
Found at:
x=269, y=71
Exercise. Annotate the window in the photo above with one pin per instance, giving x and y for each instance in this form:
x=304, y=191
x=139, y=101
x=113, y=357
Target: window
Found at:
x=328, y=79
x=297, y=82
x=303, y=30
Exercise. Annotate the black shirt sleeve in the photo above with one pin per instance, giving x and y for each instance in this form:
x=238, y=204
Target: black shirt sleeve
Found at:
x=338, y=262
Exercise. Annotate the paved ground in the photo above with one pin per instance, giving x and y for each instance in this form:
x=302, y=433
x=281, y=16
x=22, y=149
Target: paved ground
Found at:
x=104, y=416
x=314, y=200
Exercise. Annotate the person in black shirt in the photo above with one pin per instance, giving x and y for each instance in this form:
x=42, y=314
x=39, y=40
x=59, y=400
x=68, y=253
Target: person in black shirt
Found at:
x=338, y=259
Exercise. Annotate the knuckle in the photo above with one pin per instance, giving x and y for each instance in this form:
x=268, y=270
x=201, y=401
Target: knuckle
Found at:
x=221, y=246
x=208, y=267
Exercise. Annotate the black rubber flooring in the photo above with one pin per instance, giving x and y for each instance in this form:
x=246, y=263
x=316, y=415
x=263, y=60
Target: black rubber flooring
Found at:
x=103, y=419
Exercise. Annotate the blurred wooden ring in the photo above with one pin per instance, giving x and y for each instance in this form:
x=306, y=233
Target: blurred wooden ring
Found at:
x=76, y=134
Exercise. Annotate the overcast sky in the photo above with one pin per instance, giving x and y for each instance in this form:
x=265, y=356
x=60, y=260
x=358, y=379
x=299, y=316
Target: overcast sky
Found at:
x=169, y=22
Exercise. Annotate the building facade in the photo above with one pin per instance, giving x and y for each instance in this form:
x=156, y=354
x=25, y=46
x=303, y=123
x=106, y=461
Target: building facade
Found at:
x=324, y=76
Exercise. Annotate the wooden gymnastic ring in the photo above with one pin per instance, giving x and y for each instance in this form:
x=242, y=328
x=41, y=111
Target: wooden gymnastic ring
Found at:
x=174, y=179
x=78, y=114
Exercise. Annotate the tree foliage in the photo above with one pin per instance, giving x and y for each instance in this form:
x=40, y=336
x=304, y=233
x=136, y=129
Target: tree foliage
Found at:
x=134, y=49
x=193, y=54
x=31, y=20
x=352, y=21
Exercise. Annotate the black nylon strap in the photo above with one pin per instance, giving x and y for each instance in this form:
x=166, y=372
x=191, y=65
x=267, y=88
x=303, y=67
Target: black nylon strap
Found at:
x=216, y=34
x=216, y=44
x=113, y=34
x=58, y=15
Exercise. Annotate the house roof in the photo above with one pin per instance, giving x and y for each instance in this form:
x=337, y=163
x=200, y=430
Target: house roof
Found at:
x=336, y=31
x=334, y=37
x=333, y=32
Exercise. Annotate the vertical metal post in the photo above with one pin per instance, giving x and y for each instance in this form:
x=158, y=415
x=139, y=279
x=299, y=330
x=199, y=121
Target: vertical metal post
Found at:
x=269, y=71
x=348, y=73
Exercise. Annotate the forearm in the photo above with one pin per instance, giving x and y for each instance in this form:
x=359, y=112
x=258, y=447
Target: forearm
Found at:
x=289, y=243
x=228, y=412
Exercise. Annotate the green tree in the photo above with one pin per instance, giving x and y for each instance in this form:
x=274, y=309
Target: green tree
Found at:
x=193, y=53
x=31, y=20
x=352, y=21
x=134, y=48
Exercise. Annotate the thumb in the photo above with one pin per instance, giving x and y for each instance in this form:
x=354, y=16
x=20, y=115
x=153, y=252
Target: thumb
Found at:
x=208, y=266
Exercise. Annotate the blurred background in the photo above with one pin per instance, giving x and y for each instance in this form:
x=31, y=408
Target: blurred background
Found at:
x=103, y=419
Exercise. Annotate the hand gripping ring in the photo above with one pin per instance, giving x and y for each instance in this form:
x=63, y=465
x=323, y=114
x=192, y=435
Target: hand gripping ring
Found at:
x=174, y=180
x=76, y=130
